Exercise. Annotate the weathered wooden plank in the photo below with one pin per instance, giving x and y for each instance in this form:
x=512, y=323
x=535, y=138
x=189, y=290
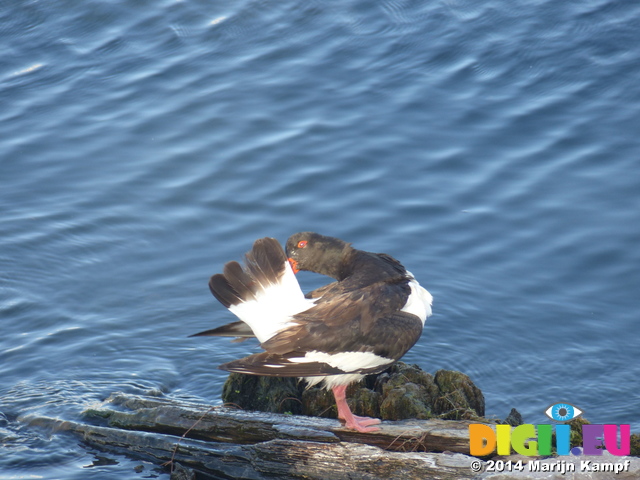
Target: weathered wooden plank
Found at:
x=230, y=443
x=242, y=427
x=277, y=458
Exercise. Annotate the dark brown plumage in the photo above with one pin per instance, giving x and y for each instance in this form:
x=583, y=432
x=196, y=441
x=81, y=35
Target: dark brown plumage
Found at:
x=361, y=323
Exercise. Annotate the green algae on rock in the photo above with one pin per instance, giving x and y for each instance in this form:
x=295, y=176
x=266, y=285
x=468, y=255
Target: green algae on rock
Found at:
x=263, y=394
x=400, y=392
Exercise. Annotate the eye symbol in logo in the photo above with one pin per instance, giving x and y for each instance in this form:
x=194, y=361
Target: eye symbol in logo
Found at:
x=563, y=412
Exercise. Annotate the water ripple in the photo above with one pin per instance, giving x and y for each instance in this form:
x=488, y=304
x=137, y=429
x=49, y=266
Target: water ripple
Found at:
x=489, y=146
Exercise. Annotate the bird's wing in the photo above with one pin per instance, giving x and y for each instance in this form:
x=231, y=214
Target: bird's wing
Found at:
x=396, y=335
x=360, y=320
x=238, y=329
x=241, y=330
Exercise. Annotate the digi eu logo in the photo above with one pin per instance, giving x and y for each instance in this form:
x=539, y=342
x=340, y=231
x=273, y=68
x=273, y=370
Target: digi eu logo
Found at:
x=533, y=440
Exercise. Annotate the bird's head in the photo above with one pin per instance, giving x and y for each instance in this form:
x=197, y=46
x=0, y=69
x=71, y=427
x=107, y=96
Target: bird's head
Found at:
x=316, y=253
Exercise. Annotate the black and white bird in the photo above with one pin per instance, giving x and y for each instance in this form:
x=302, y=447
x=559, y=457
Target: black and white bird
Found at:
x=360, y=324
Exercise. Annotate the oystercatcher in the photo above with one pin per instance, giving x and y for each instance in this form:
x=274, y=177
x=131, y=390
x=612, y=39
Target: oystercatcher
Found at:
x=360, y=324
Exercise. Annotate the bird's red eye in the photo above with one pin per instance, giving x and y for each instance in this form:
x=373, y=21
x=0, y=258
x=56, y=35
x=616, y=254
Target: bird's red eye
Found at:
x=302, y=243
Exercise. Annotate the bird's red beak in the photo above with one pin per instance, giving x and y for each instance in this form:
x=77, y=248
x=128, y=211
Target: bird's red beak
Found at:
x=294, y=265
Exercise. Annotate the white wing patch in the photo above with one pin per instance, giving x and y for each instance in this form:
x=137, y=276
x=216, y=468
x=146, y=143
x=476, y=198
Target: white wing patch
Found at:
x=331, y=381
x=345, y=361
x=274, y=306
x=419, y=301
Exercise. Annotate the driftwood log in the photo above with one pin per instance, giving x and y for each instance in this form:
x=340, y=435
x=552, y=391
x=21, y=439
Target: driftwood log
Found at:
x=230, y=443
x=196, y=441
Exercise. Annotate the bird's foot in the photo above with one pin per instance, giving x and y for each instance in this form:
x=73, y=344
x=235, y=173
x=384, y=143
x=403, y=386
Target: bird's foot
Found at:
x=354, y=422
x=362, y=424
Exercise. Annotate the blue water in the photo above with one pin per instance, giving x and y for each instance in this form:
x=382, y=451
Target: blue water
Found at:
x=493, y=147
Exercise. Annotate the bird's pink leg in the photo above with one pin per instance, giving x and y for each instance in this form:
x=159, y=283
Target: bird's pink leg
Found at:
x=361, y=424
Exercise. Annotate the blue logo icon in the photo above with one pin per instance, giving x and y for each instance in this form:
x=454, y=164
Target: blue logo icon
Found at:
x=563, y=412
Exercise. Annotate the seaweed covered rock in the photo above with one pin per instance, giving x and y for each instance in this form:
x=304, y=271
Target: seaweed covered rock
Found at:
x=635, y=444
x=407, y=392
x=459, y=398
x=263, y=394
x=400, y=392
x=514, y=418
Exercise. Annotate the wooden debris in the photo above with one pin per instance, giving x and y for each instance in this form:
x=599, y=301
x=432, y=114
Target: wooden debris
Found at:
x=231, y=443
